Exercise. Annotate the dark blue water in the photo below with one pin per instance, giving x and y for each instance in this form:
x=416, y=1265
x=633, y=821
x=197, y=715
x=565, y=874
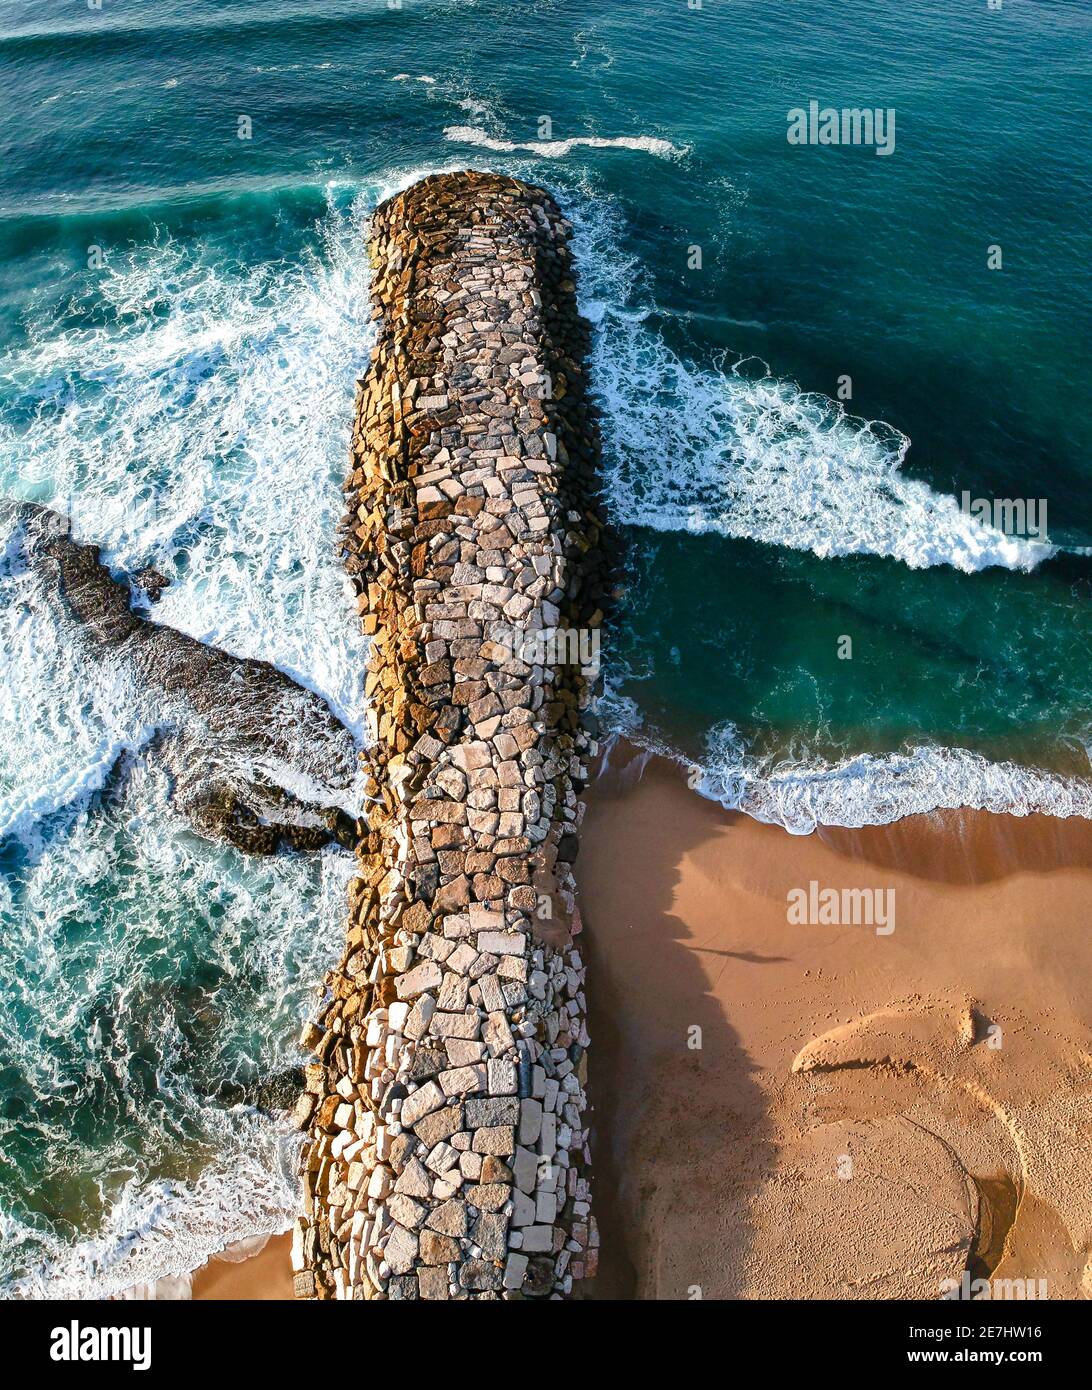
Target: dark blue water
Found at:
x=805, y=356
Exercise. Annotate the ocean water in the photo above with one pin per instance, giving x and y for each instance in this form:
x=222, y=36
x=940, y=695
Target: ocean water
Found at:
x=803, y=357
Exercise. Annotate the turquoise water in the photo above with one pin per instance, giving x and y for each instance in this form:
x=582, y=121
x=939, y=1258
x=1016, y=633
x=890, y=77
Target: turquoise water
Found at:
x=182, y=316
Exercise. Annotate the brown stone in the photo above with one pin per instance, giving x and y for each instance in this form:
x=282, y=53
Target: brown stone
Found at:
x=441, y=1124
x=437, y=1249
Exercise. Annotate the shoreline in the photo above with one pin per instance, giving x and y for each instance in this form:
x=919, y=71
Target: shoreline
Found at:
x=872, y=790
x=265, y=1275
x=846, y=1127
x=730, y=1157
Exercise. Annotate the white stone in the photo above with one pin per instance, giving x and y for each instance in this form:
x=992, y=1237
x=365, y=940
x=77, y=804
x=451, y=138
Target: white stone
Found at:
x=424, y=1100
x=469, y=756
x=401, y=1250
x=442, y=1157
x=497, y=1034
x=501, y=1077
x=420, y=1016
x=414, y=1181
x=464, y=1052
x=462, y=958
x=425, y=976
x=461, y=1081
x=514, y=1269
x=538, y=1239
x=379, y=1184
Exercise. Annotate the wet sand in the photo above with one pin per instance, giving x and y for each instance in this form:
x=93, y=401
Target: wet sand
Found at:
x=861, y=1115
x=266, y=1275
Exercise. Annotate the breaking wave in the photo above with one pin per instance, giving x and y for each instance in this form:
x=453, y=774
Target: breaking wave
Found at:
x=558, y=149
x=805, y=792
x=189, y=410
x=723, y=449
x=876, y=789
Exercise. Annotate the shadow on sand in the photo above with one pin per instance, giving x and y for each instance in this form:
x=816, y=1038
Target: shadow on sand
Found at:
x=680, y=1140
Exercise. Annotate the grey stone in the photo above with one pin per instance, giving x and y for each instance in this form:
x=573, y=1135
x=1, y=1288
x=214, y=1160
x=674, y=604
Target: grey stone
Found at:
x=525, y=1169
x=538, y=1239
x=490, y=1234
x=479, y=1277
x=432, y=1283
x=497, y=1110
x=530, y=1121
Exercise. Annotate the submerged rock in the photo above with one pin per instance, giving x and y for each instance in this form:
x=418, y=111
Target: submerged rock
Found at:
x=254, y=758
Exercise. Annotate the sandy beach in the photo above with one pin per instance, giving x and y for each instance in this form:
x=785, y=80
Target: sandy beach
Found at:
x=266, y=1275
x=867, y=1114
x=861, y=1115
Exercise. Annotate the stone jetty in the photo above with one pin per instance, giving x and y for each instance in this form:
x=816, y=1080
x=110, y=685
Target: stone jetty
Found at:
x=447, y=1151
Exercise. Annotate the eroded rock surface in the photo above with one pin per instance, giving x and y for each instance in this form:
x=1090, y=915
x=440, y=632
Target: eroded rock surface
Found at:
x=255, y=759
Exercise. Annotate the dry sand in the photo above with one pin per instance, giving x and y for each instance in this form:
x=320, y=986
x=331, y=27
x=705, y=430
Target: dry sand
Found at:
x=865, y=1113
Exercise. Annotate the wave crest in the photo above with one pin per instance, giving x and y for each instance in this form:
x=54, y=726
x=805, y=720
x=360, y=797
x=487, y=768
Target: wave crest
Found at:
x=717, y=449
x=558, y=149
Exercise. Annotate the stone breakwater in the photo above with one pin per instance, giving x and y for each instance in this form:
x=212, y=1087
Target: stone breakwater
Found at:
x=447, y=1149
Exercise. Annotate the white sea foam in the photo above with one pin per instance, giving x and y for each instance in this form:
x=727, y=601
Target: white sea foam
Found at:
x=876, y=789
x=690, y=448
x=204, y=432
x=201, y=425
x=558, y=149
x=63, y=731
x=719, y=448
x=453, y=90
x=199, y=959
x=803, y=793
x=163, y=1231
x=197, y=420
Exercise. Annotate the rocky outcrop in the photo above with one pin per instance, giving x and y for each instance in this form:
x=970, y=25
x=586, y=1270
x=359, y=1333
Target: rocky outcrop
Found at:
x=254, y=758
x=447, y=1152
